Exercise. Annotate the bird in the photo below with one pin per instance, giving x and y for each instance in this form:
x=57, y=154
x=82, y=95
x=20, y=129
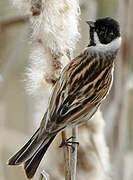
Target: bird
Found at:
x=78, y=93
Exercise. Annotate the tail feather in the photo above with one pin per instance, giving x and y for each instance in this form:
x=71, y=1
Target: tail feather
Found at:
x=32, y=164
x=26, y=151
x=32, y=153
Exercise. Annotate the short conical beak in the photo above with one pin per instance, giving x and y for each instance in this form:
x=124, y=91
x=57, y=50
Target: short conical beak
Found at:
x=91, y=23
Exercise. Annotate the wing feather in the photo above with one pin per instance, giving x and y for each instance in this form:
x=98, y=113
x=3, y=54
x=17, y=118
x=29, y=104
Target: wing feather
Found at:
x=81, y=87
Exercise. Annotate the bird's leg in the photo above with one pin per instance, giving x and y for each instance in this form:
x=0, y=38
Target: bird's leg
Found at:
x=67, y=142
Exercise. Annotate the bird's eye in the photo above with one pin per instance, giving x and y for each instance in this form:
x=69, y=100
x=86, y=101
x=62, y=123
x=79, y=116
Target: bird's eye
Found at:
x=111, y=34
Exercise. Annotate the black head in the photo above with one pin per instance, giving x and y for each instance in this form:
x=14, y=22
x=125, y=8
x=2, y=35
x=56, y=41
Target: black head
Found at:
x=107, y=30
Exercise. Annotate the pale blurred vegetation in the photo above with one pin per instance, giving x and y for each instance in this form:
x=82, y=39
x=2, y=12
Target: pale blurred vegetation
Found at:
x=16, y=107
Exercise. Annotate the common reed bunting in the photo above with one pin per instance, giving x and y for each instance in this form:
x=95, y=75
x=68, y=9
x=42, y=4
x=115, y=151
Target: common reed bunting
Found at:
x=78, y=93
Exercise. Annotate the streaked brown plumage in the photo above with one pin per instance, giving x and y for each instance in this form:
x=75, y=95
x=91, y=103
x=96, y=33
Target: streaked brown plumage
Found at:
x=78, y=93
x=83, y=84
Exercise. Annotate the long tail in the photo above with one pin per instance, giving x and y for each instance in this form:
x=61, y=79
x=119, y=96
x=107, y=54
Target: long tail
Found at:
x=32, y=153
x=32, y=164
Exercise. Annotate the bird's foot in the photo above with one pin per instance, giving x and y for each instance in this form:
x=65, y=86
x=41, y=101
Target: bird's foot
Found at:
x=69, y=143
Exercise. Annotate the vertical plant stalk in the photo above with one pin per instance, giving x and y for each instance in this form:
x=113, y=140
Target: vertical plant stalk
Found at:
x=74, y=154
x=66, y=158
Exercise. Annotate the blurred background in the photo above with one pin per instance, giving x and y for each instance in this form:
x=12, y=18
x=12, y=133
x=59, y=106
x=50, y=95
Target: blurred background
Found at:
x=16, y=107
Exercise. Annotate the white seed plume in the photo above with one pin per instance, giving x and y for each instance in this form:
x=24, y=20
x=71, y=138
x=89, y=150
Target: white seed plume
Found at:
x=55, y=33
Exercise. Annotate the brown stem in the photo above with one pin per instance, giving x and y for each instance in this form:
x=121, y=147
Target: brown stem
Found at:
x=66, y=158
x=74, y=154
